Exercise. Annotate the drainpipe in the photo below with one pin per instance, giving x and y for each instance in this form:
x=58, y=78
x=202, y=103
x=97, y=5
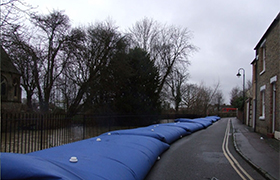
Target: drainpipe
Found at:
x=256, y=96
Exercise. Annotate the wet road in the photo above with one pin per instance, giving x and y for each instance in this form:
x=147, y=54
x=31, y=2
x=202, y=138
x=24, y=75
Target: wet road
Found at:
x=206, y=154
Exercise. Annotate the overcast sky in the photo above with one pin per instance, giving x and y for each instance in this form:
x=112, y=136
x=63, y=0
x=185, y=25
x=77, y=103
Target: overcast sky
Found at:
x=225, y=31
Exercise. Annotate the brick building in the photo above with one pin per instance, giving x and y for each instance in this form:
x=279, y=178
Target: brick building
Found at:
x=10, y=84
x=266, y=81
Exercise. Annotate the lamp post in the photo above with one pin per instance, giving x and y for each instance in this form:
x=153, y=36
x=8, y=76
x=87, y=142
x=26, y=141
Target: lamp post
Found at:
x=238, y=75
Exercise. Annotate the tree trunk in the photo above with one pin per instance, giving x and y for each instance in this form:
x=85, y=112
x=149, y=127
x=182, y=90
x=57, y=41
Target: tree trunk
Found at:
x=74, y=107
x=29, y=100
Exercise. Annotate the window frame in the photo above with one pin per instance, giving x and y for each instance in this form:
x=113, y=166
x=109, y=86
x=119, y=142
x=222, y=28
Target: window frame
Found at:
x=263, y=56
x=4, y=87
x=262, y=102
x=16, y=88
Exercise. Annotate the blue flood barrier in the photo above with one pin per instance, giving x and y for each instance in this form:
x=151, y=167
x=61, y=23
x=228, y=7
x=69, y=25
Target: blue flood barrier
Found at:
x=202, y=121
x=170, y=133
x=23, y=166
x=165, y=134
x=143, y=131
x=188, y=126
x=106, y=157
x=158, y=131
x=213, y=118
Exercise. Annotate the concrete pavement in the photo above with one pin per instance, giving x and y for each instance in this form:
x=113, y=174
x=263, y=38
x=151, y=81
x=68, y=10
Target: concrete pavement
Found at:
x=261, y=152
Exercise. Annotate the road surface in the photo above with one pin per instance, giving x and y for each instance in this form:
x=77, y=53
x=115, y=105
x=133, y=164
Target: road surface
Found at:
x=206, y=154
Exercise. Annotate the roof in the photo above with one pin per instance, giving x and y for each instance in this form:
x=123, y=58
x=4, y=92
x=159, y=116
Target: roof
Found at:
x=6, y=63
x=254, y=60
x=272, y=25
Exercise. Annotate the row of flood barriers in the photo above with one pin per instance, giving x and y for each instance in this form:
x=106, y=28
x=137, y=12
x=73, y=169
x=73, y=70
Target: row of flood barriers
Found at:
x=119, y=154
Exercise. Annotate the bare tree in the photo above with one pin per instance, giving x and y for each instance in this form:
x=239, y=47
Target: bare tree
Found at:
x=173, y=49
x=195, y=99
x=218, y=100
x=144, y=35
x=23, y=55
x=52, y=33
x=198, y=98
x=168, y=46
x=176, y=85
x=91, y=52
x=189, y=97
x=13, y=12
x=41, y=62
x=211, y=94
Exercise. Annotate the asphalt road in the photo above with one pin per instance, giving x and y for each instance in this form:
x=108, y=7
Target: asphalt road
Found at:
x=203, y=155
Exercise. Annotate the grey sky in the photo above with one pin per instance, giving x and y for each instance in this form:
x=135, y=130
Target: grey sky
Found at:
x=225, y=31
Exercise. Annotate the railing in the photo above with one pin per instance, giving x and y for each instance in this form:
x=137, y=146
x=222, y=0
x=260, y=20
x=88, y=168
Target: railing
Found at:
x=24, y=133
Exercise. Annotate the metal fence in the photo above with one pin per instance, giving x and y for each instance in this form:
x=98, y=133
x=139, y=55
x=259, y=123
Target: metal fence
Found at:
x=24, y=133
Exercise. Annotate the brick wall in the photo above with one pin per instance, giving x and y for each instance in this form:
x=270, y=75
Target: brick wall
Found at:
x=272, y=69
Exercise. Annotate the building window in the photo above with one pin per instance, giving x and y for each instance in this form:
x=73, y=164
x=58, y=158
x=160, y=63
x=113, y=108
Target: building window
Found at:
x=273, y=89
x=15, y=84
x=262, y=103
x=3, y=86
x=263, y=57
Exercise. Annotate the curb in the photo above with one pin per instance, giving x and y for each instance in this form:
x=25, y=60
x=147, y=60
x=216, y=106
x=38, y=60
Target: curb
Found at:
x=259, y=169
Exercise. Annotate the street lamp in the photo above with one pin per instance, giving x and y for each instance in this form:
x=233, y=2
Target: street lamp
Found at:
x=238, y=75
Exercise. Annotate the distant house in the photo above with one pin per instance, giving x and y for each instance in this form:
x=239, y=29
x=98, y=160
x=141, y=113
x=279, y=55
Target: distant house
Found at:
x=266, y=81
x=10, y=84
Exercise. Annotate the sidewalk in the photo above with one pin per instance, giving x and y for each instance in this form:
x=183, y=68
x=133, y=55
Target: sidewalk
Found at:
x=261, y=152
